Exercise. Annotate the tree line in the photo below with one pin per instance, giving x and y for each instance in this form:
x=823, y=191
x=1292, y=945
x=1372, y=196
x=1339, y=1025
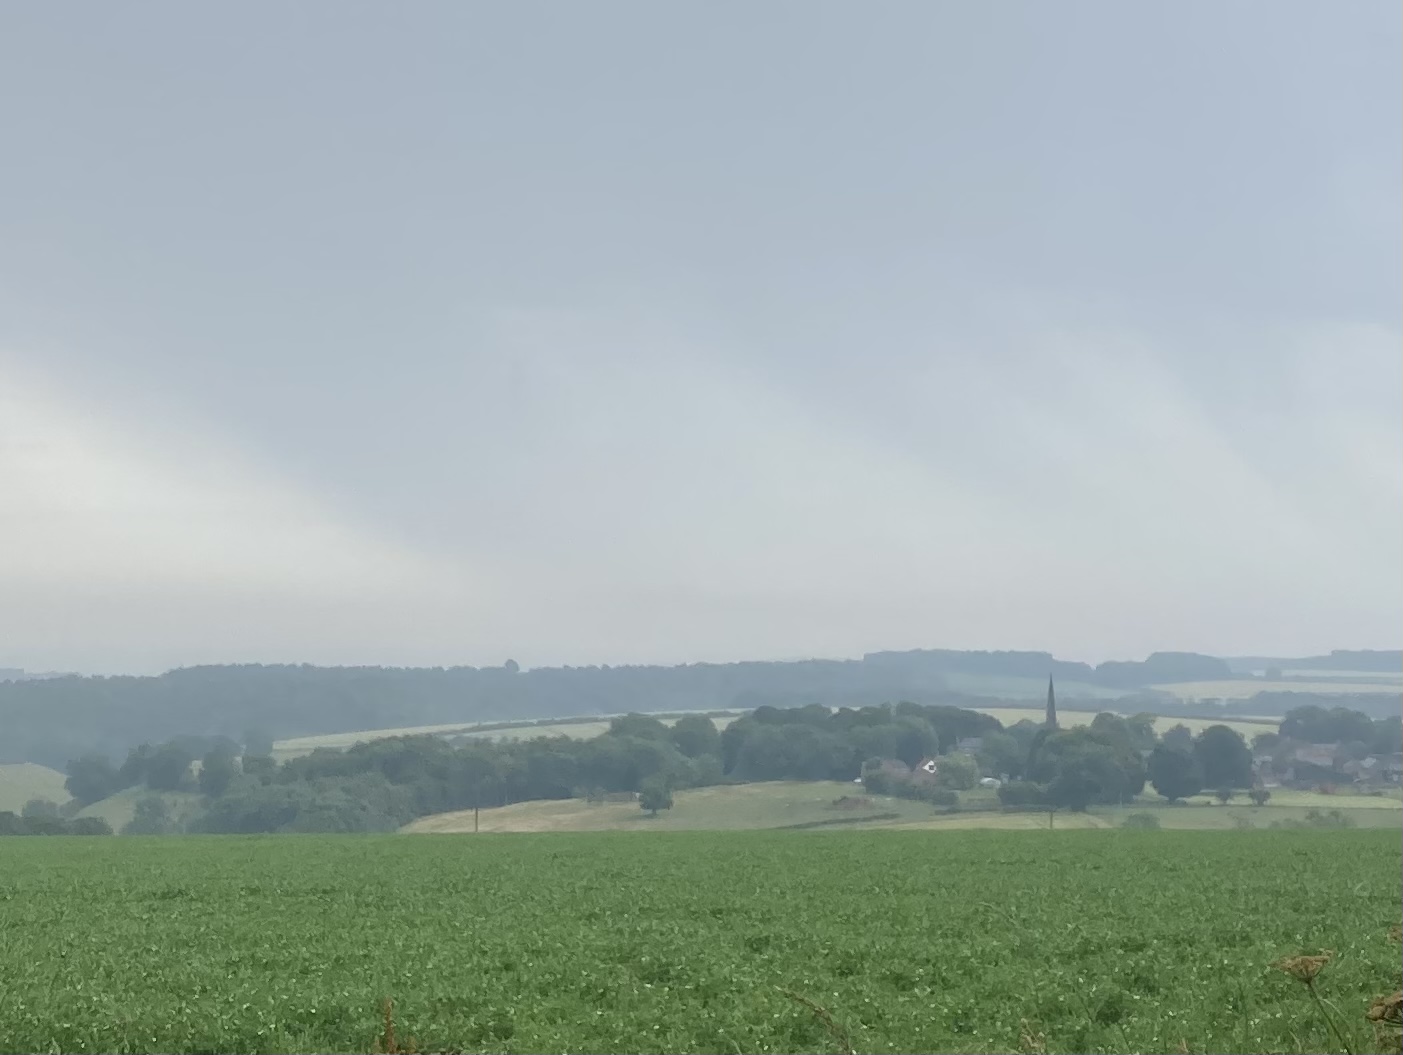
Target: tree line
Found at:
x=383, y=784
x=42, y=817
x=51, y=720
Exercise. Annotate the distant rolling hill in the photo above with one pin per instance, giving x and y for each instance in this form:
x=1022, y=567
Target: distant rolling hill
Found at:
x=24, y=781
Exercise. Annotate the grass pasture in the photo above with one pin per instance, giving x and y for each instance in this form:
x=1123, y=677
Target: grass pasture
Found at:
x=776, y=804
x=787, y=804
x=914, y=941
x=22, y=781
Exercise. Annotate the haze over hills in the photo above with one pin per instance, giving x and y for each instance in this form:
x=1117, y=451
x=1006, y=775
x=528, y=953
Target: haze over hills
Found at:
x=53, y=720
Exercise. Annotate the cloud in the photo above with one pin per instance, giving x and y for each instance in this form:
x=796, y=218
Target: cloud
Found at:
x=623, y=486
x=141, y=544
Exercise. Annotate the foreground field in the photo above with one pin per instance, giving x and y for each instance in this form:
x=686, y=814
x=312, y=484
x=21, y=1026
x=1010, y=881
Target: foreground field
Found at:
x=1102, y=941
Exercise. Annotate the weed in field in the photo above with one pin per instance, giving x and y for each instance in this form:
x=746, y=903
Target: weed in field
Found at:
x=385, y=1043
x=826, y=1019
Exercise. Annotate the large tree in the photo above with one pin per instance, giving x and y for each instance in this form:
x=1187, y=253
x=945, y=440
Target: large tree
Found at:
x=1178, y=736
x=1063, y=753
x=92, y=778
x=1224, y=756
x=258, y=743
x=168, y=768
x=1001, y=755
x=217, y=772
x=1175, y=774
x=695, y=735
x=655, y=795
x=1088, y=773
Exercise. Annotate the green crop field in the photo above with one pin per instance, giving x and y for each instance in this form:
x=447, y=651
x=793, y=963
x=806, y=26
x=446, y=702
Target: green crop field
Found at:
x=915, y=941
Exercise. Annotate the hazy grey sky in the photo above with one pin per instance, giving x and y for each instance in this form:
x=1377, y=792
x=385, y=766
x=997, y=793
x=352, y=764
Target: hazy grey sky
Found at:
x=439, y=333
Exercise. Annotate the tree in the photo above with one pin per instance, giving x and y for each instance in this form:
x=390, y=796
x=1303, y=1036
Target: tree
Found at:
x=1265, y=741
x=40, y=809
x=1087, y=773
x=704, y=771
x=1388, y=736
x=1147, y=821
x=1075, y=760
x=152, y=817
x=217, y=772
x=1260, y=796
x=641, y=726
x=915, y=740
x=1141, y=728
x=656, y=795
x=695, y=735
x=1174, y=773
x=957, y=772
x=258, y=743
x=1316, y=725
x=262, y=767
x=1113, y=729
x=1224, y=756
x=89, y=826
x=133, y=768
x=92, y=778
x=1001, y=755
x=1180, y=737
x=1223, y=795
x=168, y=767
x=1022, y=793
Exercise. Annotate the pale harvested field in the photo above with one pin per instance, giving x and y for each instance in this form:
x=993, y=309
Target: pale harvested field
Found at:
x=1245, y=688
x=22, y=781
x=581, y=729
x=1248, y=727
x=1346, y=675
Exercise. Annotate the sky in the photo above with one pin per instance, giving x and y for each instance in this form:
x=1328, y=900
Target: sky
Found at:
x=625, y=332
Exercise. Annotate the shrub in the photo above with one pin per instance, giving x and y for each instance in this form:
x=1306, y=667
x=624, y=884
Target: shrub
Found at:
x=1021, y=793
x=937, y=796
x=1141, y=820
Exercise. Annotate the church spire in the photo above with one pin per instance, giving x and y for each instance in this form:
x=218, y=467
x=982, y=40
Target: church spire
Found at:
x=1051, y=722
